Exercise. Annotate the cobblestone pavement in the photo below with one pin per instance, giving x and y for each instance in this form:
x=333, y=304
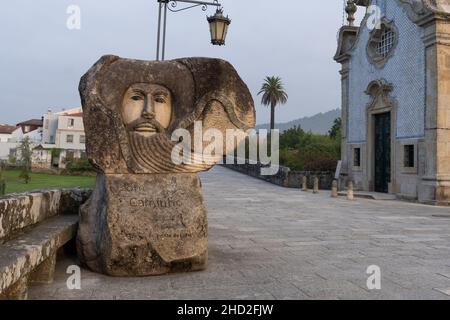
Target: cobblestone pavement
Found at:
x=267, y=242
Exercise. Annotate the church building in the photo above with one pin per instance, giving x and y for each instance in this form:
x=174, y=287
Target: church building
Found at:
x=396, y=98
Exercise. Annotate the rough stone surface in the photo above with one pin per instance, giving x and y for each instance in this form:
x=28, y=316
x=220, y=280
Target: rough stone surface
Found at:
x=139, y=225
x=146, y=215
x=268, y=242
x=22, y=255
x=19, y=211
x=44, y=273
x=18, y=291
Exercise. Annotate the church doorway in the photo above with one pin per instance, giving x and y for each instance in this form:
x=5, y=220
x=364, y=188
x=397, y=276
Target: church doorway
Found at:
x=382, y=146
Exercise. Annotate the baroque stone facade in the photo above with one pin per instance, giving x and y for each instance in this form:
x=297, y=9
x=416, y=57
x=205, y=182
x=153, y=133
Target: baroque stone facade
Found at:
x=396, y=99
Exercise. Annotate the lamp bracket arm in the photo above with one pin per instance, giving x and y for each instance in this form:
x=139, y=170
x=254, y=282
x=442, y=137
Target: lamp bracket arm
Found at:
x=174, y=4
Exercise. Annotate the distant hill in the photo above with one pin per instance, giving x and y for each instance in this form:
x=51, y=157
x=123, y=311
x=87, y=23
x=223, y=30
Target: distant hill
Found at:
x=320, y=123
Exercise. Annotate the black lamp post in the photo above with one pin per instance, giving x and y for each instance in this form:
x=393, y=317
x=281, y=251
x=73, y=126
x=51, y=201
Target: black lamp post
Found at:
x=218, y=23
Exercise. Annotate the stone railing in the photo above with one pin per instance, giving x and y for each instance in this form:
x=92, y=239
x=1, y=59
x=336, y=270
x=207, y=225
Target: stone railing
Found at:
x=33, y=227
x=285, y=176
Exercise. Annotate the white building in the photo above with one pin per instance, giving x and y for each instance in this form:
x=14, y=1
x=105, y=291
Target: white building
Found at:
x=11, y=136
x=62, y=137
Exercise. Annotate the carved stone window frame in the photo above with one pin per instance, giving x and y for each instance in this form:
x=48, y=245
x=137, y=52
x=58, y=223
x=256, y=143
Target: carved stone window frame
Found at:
x=381, y=102
x=374, y=39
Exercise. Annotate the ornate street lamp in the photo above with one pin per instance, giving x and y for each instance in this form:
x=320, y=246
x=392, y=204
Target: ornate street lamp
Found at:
x=218, y=23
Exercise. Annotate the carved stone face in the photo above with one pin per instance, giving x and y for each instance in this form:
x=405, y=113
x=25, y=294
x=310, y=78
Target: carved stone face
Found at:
x=131, y=109
x=147, y=109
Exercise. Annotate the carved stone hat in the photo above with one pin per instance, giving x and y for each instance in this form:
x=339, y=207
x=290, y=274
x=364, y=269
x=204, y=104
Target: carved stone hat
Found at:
x=194, y=84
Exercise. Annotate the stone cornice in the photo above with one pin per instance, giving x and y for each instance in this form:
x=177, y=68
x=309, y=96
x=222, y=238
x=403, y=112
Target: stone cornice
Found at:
x=421, y=11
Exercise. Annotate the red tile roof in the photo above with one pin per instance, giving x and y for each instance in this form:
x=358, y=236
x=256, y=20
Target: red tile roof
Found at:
x=7, y=129
x=32, y=122
x=80, y=114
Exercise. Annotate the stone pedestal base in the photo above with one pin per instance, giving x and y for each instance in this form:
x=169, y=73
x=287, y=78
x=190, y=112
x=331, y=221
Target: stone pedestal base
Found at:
x=435, y=191
x=142, y=225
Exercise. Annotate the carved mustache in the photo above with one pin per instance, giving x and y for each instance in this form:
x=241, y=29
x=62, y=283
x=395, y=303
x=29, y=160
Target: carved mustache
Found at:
x=145, y=124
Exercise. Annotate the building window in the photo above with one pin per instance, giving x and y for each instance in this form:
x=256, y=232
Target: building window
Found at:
x=69, y=138
x=71, y=123
x=46, y=124
x=357, y=157
x=52, y=139
x=82, y=139
x=382, y=43
x=386, y=43
x=69, y=156
x=409, y=158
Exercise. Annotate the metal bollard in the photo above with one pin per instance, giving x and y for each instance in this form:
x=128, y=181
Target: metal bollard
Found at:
x=316, y=185
x=304, y=183
x=334, y=189
x=350, y=195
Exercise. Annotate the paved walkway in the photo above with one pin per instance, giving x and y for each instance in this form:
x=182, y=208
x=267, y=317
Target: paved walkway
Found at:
x=267, y=242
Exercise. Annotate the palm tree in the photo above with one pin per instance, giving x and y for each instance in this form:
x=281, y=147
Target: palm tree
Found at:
x=273, y=94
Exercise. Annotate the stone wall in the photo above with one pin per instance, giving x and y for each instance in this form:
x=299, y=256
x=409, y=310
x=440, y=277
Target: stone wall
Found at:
x=21, y=211
x=285, y=176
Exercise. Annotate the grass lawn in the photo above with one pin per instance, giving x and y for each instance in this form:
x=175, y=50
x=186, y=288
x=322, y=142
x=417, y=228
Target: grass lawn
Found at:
x=41, y=181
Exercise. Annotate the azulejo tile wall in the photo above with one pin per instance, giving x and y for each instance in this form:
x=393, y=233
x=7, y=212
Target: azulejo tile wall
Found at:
x=405, y=71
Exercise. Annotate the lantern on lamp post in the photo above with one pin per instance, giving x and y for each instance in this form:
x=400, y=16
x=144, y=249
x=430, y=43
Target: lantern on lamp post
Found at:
x=218, y=25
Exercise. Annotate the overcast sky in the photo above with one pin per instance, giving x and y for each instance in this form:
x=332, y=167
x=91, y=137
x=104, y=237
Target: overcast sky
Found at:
x=42, y=60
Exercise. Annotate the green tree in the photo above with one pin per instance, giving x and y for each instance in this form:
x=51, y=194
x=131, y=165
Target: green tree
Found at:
x=273, y=93
x=335, y=131
x=25, y=159
x=2, y=180
x=291, y=138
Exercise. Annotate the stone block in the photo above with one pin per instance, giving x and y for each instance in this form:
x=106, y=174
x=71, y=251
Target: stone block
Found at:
x=140, y=225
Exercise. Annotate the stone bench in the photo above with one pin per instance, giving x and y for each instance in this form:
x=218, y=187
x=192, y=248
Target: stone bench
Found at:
x=33, y=227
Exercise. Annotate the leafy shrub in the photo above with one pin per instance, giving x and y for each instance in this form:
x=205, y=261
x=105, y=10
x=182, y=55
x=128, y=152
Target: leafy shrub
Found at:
x=305, y=151
x=79, y=165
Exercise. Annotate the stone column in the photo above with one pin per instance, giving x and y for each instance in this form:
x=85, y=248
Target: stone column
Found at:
x=347, y=36
x=435, y=186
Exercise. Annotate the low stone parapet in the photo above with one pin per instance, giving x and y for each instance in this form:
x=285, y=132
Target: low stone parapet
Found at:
x=286, y=177
x=20, y=211
x=33, y=227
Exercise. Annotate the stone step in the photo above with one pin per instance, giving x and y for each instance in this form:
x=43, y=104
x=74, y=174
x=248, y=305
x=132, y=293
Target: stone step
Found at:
x=370, y=195
x=23, y=255
x=20, y=211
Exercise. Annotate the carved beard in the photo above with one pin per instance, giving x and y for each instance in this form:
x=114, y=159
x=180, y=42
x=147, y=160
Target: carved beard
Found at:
x=153, y=154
